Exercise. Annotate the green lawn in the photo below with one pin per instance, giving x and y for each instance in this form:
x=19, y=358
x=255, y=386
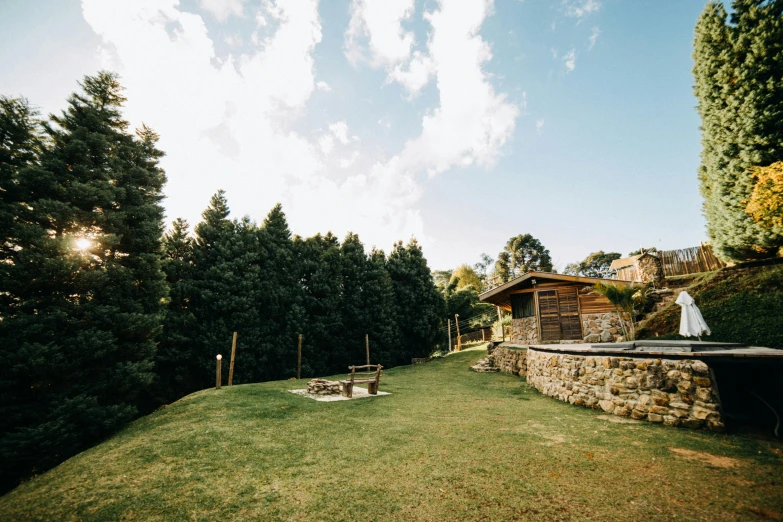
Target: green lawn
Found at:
x=448, y=444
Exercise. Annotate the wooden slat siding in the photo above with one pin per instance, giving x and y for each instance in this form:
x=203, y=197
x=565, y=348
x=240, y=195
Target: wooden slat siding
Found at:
x=592, y=303
x=570, y=322
x=549, y=316
x=628, y=274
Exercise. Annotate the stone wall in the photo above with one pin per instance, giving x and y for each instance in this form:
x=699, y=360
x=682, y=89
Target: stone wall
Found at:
x=671, y=391
x=510, y=360
x=602, y=328
x=524, y=331
x=650, y=270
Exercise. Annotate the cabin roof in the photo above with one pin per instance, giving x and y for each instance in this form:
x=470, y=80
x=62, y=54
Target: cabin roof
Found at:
x=499, y=295
x=624, y=262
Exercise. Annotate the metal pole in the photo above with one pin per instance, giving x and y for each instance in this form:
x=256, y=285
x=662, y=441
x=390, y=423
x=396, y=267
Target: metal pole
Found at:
x=367, y=345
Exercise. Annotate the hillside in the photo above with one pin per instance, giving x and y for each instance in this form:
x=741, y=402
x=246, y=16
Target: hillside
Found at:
x=742, y=304
x=446, y=444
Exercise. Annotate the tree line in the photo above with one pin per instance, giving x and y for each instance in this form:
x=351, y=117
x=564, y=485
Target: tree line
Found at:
x=103, y=316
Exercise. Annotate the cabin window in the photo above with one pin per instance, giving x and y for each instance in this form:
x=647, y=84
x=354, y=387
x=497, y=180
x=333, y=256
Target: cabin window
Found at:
x=522, y=305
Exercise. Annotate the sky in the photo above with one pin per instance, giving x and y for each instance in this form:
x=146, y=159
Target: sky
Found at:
x=461, y=123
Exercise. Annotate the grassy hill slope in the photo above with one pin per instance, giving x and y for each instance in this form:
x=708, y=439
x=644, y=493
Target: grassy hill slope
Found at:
x=448, y=444
x=741, y=305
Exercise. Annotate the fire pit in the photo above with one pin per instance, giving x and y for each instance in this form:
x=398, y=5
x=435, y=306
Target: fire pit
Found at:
x=323, y=387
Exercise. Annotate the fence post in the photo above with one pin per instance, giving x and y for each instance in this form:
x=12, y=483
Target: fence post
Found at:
x=299, y=359
x=459, y=340
x=217, y=375
x=367, y=345
x=449, y=320
x=231, y=364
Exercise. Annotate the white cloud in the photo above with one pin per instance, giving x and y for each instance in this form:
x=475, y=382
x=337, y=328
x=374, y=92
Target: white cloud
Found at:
x=340, y=131
x=569, y=60
x=540, y=125
x=323, y=86
x=222, y=9
x=231, y=123
x=594, y=37
x=580, y=8
x=415, y=74
x=375, y=35
x=380, y=23
x=347, y=162
x=326, y=143
x=456, y=132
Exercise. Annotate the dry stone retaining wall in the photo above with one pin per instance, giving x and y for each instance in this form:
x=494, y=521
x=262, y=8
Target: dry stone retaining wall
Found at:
x=671, y=391
x=510, y=360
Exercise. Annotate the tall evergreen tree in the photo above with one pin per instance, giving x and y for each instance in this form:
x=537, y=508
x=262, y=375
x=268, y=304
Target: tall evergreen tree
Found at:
x=419, y=305
x=226, y=280
x=279, y=296
x=177, y=365
x=382, y=320
x=320, y=319
x=84, y=285
x=738, y=71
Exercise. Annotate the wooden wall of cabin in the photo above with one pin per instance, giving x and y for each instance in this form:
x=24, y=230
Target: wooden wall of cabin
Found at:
x=594, y=315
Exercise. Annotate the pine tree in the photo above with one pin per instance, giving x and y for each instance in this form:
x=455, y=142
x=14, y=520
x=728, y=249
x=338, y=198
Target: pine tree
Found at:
x=738, y=71
x=279, y=297
x=226, y=280
x=419, y=305
x=379, y=305
x=176, y=363
x=320, y=319
x=84, y=285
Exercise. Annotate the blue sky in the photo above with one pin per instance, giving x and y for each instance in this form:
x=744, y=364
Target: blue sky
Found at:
x=460, y=122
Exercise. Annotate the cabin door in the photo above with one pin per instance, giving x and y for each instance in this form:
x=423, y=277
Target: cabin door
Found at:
x=558, y=312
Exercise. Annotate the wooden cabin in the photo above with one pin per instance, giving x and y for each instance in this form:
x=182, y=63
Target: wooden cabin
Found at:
x=553, y=308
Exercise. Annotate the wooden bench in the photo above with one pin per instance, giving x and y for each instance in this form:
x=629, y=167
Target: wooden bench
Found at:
x=371, y=375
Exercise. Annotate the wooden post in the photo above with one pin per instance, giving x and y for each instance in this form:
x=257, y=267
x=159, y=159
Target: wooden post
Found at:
x=459, y=340
x=217, y=375
x=449, y=334
x=231, y=364
x=482, y=335
x=299, y=359
x=367, y=345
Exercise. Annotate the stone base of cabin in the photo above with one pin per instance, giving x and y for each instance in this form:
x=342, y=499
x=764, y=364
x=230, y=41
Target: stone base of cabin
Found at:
x=602, y=328
x=596, y=328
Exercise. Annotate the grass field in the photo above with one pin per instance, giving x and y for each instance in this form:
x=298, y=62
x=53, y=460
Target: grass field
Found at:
x=448, y=444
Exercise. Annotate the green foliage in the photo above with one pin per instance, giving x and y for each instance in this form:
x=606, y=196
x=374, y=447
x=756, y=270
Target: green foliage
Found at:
x=595, y=265
x=739, y=307
x=645, y=250
x=521, y=254
x=739, y=86
x=419, y=305
x=465, y=275
x=765, y=205
x=82, y=283
x=627, y=299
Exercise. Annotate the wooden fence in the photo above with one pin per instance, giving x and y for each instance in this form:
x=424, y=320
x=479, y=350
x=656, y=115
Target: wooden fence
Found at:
x=679, y=262
x=689, y=261
x=483, y=334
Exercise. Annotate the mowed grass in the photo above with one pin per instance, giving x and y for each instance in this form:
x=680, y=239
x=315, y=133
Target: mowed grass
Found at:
x=448, y=444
